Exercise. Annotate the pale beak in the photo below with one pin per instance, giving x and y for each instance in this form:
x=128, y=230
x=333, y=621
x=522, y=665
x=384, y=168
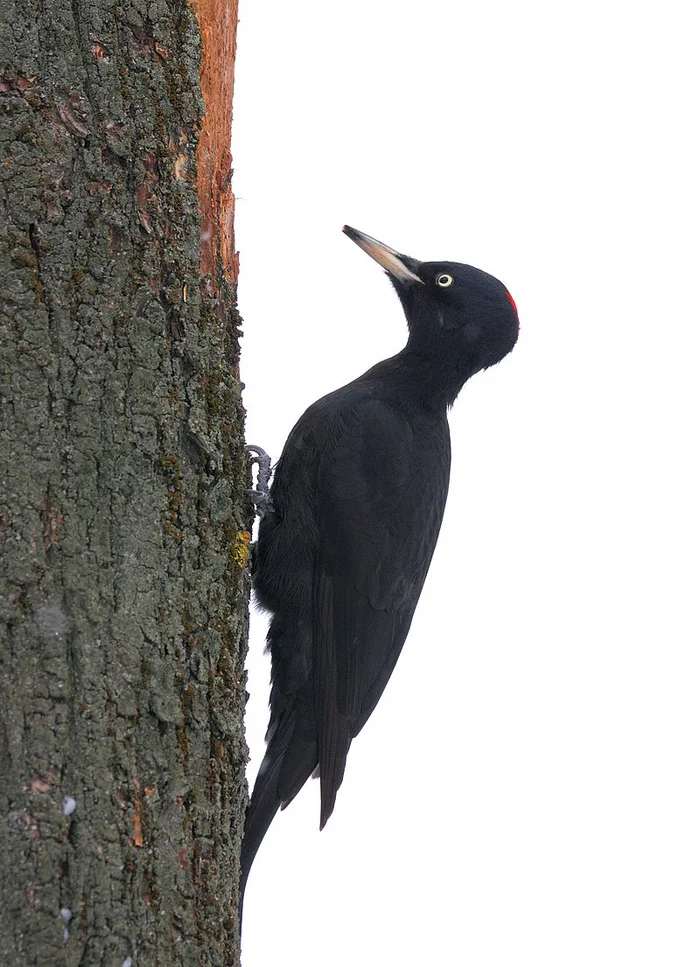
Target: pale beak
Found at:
x=395, y=264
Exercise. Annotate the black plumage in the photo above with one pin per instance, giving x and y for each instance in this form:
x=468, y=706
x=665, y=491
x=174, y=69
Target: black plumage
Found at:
x=357, y=502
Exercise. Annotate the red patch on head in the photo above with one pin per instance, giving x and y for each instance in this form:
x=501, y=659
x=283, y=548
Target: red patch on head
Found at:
x=512, y=301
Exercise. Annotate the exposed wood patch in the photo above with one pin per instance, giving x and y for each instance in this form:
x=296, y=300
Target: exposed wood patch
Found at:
x=219, y=23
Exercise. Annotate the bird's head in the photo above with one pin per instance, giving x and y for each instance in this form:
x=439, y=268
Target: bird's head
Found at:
x=453, y=310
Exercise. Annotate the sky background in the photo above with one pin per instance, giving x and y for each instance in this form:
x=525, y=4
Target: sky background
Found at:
x=527, y=791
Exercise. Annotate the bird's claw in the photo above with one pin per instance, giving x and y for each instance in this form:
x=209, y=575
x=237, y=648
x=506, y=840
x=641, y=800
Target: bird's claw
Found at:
x=262, y=501
x=260, y=495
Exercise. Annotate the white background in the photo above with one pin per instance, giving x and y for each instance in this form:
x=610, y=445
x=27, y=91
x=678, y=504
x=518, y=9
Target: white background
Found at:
x=527, y=791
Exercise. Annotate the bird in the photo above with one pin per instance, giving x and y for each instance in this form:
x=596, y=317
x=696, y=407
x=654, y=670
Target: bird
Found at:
x=350, y=525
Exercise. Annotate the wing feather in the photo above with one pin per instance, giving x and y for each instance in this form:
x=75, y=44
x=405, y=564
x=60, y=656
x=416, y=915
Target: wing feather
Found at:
x=380, y=509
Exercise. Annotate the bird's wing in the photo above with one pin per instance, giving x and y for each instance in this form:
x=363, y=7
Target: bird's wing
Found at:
x=381, y=496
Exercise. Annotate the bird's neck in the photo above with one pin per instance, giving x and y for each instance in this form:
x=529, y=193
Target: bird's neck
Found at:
x=425, y=376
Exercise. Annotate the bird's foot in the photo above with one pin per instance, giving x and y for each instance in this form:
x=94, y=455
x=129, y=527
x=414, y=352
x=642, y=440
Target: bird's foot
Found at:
x=260, y=495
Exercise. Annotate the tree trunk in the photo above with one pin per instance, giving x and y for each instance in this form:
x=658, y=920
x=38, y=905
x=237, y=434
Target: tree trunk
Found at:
x=124, y=524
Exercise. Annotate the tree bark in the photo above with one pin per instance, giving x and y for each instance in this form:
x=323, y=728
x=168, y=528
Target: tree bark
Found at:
x=124, y=524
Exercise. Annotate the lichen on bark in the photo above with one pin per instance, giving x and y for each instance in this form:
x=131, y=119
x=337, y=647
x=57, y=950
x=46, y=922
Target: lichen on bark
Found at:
x=123, y=586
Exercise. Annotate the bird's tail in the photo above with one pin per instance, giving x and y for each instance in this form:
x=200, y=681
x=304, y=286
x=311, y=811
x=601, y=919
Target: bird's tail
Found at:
x=288, y=763
x=263, y=805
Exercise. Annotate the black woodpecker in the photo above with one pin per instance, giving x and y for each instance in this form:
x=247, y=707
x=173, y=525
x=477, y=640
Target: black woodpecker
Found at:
x=357, y=500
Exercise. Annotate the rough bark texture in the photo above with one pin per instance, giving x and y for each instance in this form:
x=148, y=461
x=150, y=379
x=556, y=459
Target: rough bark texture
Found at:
x=123, y=519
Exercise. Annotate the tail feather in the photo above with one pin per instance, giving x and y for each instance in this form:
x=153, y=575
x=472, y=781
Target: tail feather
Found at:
x=264, y=803
x=287, y=765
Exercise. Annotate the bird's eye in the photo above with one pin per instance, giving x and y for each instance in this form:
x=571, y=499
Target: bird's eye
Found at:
x=443, y=280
